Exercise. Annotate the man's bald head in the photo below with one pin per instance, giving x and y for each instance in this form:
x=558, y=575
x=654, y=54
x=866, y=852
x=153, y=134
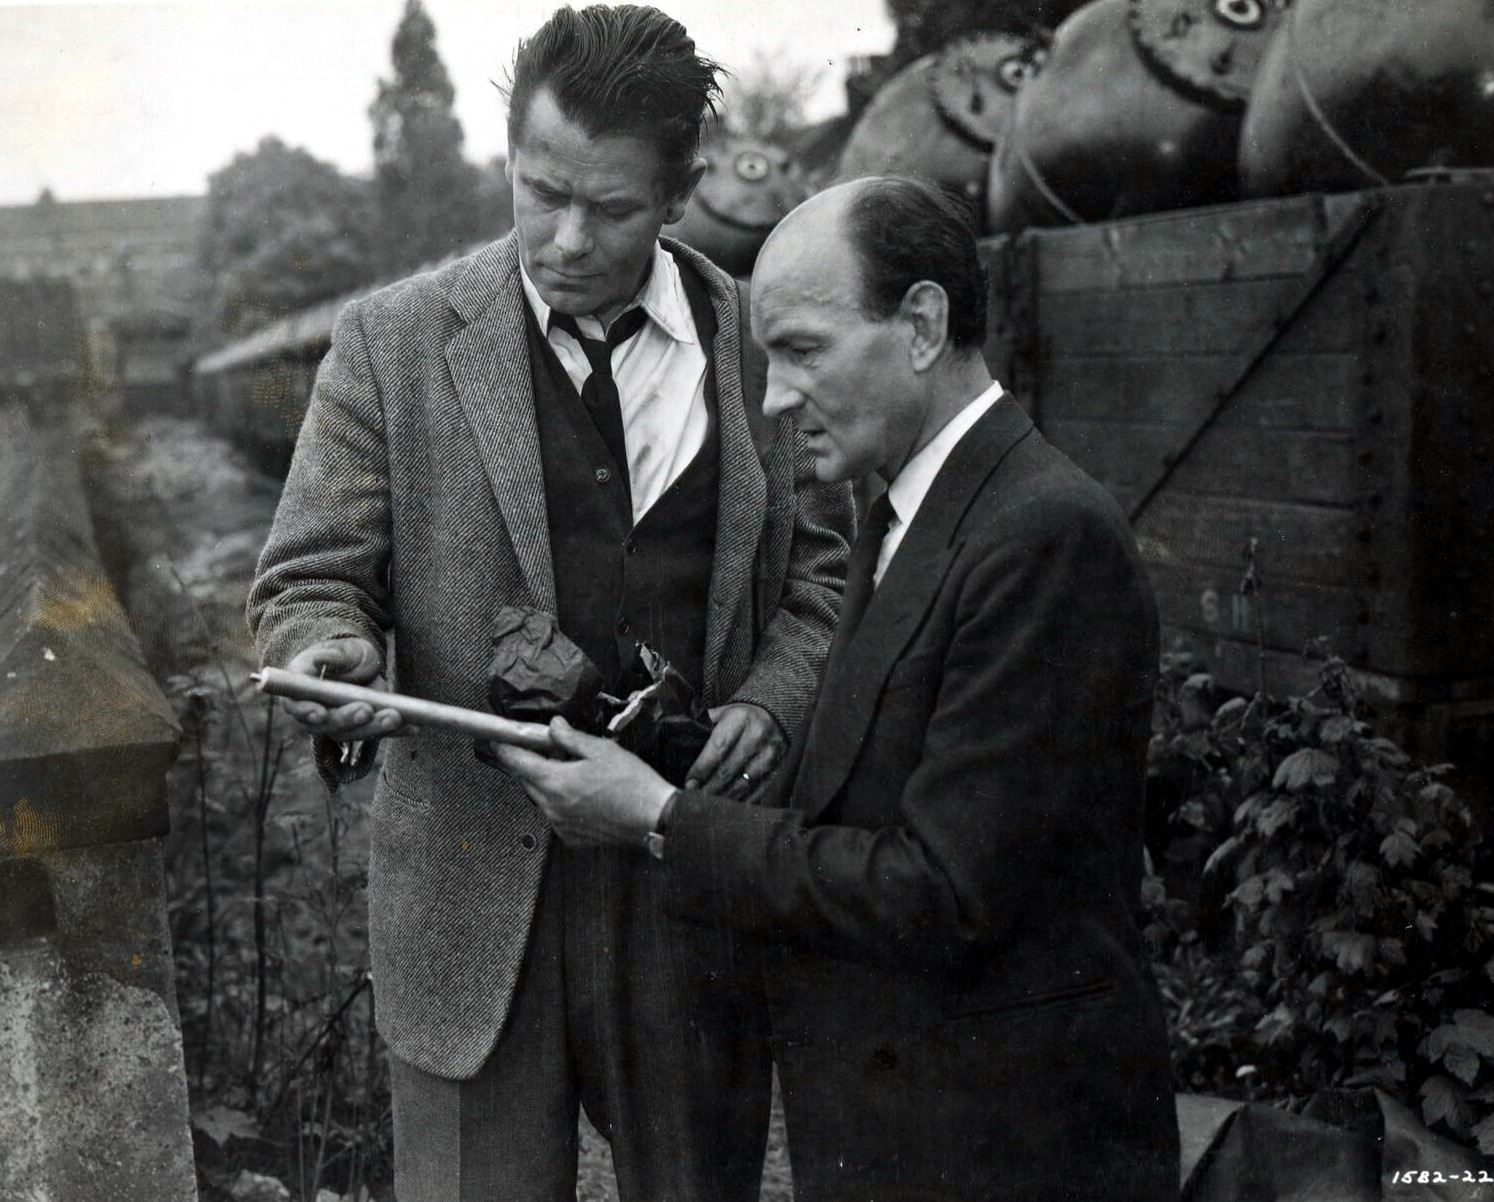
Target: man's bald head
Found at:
x=900, y=231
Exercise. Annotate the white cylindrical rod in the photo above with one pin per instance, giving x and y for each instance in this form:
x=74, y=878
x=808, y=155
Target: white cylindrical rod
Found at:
x=416, y=711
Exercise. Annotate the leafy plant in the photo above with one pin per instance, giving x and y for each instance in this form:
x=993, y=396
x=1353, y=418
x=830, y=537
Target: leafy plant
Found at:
x=1362, y=903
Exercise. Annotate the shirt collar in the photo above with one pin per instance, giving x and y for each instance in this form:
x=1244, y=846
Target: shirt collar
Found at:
x=907, y=491
x=662, y=297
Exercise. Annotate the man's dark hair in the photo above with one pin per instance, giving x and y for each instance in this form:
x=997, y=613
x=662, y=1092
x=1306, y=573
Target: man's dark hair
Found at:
x=619, y=69
x=904, y=230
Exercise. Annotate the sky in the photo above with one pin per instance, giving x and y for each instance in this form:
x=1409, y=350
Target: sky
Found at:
x=132, y=99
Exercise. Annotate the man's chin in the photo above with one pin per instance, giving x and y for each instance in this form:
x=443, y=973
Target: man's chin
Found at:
x=830, y=470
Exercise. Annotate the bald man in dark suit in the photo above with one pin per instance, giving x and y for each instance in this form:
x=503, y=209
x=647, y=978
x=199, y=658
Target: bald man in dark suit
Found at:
x=946, y=885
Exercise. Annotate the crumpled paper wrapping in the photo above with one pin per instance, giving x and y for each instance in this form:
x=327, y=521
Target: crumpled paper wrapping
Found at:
x=538, y=673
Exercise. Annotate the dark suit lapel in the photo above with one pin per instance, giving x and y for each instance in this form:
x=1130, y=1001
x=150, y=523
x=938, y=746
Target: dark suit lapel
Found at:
x=743, y=490
x=489, y=363
x=859, y=664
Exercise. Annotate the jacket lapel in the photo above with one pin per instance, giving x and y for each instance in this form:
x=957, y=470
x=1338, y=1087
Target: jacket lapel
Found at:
x=742, y=504
x=489, y=363
x=859, y=665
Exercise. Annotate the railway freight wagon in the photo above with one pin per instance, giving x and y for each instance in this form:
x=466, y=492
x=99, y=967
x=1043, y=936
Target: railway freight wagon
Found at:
x=254, y=391
x=1310, y=377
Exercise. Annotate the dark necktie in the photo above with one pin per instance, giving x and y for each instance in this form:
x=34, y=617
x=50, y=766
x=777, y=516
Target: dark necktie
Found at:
x=860, y=572
x=599, y=393
x=862, y=568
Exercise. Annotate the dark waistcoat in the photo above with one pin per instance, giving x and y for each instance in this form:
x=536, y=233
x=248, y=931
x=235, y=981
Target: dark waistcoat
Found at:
x=617, y=584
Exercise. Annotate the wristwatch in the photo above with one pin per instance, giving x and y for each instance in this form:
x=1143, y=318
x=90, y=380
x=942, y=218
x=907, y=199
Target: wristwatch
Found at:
x=654, y=840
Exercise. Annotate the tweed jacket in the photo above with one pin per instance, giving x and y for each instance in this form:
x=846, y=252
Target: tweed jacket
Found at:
x=415, y=508
x=959, y=1004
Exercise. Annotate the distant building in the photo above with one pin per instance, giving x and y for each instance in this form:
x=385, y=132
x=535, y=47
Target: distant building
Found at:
x=133, y=266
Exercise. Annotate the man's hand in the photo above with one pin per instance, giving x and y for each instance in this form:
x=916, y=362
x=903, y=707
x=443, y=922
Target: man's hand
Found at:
x=745, y=746
x=602, y=794
x=354, y=660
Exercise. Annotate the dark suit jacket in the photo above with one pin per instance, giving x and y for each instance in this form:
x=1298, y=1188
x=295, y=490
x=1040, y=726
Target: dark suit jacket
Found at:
x=960, y=1007
x=416, y=503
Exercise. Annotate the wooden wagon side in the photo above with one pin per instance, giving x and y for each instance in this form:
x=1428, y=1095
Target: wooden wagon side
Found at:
x=1310, y=376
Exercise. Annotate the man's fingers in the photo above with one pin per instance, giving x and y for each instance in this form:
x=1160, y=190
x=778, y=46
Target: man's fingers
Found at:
x=517, y=761
x=705, y=770
x=353, y=659
x=346, y=723
x=726, y=778
x=575, y=743
x=762, y=764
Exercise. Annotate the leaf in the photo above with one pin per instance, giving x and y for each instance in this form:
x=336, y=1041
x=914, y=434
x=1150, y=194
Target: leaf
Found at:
x=1363, y=881
x=1483, y=1134
x=1462, y=1063
x=1399, y=849
x=1281, y=812
x=1306, y=766
x=1388, y=753
x=1230, y=711
x=222, y=1123
x=1350, y=950
x=1436, y=839
x=1249, y=893
x=1442, y=1101
x=1221, y=855
x=1336, y=729
x=1476, y=1029
x=1426, y=927
x=1455, y=880
x=1393, y=951
x=1278, y=884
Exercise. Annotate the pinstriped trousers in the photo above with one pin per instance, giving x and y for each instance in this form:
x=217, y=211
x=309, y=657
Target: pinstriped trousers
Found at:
x=656, y=1026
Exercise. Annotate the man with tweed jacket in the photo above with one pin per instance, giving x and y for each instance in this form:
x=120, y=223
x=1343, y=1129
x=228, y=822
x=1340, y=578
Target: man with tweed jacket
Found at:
x=457, y=457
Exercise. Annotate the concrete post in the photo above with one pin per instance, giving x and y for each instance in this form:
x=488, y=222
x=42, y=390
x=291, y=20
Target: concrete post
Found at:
x=93, y=1093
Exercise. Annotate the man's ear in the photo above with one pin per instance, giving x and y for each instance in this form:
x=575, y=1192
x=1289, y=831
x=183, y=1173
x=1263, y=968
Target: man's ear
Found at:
x=675, y=208
x=925, y=306
x=508, y=168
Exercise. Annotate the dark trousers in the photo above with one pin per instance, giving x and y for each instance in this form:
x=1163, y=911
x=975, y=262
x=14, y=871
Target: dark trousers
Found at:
x=656, y=1026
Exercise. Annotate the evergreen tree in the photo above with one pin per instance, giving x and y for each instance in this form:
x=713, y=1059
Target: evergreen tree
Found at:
x=426, y=194
x=283, y=230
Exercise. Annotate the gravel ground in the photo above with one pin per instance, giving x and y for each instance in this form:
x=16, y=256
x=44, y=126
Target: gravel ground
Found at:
x=181, y=516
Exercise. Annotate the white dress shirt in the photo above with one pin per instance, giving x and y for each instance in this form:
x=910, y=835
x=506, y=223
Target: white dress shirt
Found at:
x=907, y=491
x=660, y=374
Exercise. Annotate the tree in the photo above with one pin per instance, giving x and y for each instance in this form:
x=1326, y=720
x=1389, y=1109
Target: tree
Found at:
x=766, y=98
x=426, y=194
x=283, y=230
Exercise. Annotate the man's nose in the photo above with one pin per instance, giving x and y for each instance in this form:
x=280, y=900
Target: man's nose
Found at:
x=573, y=234
x=778, y=396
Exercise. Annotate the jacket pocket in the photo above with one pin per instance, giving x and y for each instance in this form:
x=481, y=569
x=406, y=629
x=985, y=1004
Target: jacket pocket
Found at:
x=391, y=796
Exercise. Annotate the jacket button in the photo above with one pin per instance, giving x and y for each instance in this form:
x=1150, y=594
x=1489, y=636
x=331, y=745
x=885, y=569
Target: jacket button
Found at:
x=603, y=475
x=528, y=842
x=630, y=545
x=622, y=626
